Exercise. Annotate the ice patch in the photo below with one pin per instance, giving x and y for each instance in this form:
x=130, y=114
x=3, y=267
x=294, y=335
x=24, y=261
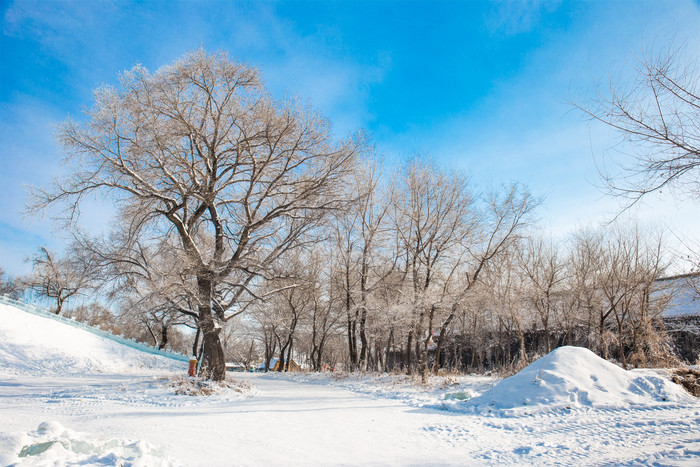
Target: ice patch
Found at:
x=459, y=396
x=52, y=444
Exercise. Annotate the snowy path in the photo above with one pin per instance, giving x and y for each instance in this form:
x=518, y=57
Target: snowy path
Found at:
x=570, y=407
x=291, y=422
x=286, y=422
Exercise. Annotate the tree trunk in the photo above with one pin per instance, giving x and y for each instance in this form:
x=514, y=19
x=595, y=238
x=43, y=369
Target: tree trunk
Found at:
x=523, y=353
x=378, y=362
x=352, y=322
x=409, y=366
x=59, y=305
x=319, y=354
x=249, y=357
x=163, y=337
x=195, y=344
x=388, y=366
x=426, y=344
x=213, y=363
x=289, y=355
x=419, y=332
x=601, y=335
x=280, y=362
x=363, y=339
x=268, y=355
x=153, y=335
x=441, y=337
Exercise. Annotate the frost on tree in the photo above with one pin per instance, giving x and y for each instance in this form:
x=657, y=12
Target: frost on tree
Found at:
x=200, y=152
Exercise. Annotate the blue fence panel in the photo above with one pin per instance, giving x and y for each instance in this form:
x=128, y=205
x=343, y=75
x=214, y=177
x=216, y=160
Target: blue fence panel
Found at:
x=98, y=332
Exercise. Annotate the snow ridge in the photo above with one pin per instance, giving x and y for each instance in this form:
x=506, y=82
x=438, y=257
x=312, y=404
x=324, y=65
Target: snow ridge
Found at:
x=33, y=344
x=99, y=332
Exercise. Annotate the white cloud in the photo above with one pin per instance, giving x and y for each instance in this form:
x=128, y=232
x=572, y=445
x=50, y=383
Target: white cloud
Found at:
x=512, y=17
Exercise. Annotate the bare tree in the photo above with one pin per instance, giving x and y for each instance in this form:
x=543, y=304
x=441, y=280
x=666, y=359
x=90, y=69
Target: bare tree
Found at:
x=631, y=265
x=545, y=273
x=94, y=314
x=200, y=152
x=658, y=111
x=266, y=327
x=507, y=294
x=149, y=279
x=448, y=238
x=432, y=215
x=290, y=301
x=364, y=254
x=59, y=278
x=585, y=266
x=496, y=228
x=344, y=275
x=10, y=285
x=326, y=311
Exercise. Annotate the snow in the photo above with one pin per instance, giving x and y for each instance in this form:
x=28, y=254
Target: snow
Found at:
x=69, y=399
x=573, y=377
x=684, y=299
x=52, y=444
x=33, y=345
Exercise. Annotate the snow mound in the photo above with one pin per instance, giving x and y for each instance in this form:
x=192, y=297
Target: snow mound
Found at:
x=52, y=444
x=34, y=345
x=574, y=377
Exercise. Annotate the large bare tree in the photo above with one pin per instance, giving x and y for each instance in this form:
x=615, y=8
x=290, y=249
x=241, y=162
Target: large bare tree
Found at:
x=199, y=151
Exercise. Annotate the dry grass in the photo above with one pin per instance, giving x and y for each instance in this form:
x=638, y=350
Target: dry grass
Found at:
x=689, y=379
x=188, y=386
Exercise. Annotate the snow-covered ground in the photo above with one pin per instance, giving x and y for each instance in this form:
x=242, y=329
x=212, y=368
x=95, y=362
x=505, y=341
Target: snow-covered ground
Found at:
x=34, y=345
x=568, y=408
x=684, y=297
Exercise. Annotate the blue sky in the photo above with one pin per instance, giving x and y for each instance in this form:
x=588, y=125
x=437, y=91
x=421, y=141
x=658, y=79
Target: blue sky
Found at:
x=480, y=86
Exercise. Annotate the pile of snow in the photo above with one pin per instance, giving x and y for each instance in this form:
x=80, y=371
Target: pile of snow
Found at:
x=34, y=345
x=574, y=377
x=52, y=444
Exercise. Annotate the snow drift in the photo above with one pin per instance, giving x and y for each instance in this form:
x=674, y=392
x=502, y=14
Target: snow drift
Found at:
x=574, y=377
x=34, y=345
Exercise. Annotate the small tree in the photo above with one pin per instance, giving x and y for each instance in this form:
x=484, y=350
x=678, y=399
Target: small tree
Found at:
x=631, y=264
x=10, y=286
x=544, y=273
x=59, y=278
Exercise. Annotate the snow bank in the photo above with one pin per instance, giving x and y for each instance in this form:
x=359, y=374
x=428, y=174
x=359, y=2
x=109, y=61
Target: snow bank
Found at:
x=52, y=444
x=574, y=377
x=684, y=300
x=33, y=345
